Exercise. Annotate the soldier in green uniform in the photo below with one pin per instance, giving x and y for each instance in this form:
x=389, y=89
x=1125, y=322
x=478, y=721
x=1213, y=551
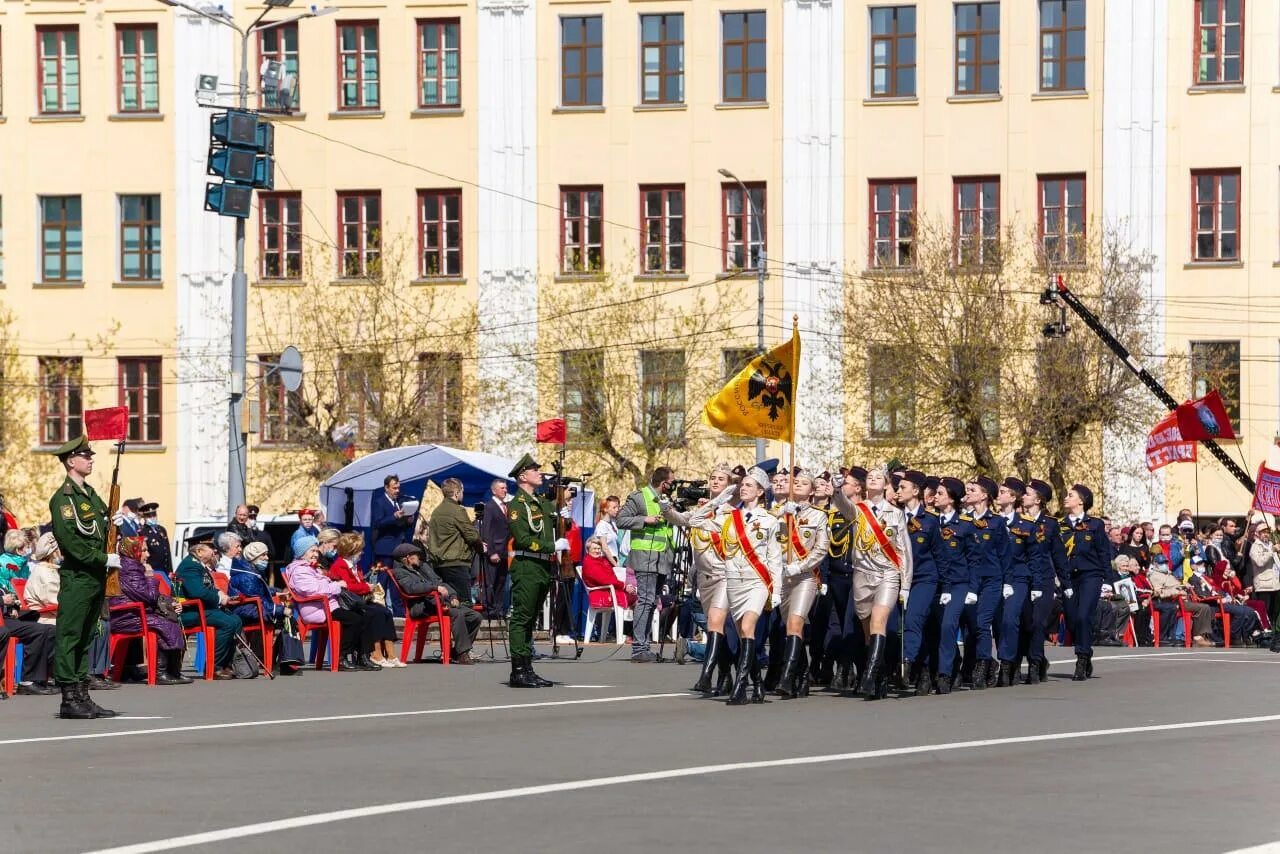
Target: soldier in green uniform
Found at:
x=80, y=527
x=534, y=544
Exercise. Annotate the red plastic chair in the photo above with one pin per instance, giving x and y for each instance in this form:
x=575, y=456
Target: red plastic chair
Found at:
x=1216, y=602
x=263, y=627
x=1183, y=614
x=119, y=644
x=330, y=629
x=418, y=625
x=202, y=628
x=20, y=590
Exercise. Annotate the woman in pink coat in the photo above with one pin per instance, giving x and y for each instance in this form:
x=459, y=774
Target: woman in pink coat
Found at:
x=306, y=580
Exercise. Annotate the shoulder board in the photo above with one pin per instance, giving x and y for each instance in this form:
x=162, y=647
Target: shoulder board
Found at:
x=67, y=489
x=965, y=517
x=934, y=513
x=1024, y=517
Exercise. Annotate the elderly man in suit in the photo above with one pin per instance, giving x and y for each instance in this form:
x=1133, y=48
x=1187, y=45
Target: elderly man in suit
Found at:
x=495, y=531
x=652, y=554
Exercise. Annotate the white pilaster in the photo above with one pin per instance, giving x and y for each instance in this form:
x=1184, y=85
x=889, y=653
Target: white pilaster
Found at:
x=508, y=241
x=813, y=216
x=205, y=249
x=1135, y=80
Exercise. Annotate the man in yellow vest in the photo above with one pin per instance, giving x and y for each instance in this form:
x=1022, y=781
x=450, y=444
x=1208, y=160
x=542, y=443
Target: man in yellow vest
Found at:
x=652, y=554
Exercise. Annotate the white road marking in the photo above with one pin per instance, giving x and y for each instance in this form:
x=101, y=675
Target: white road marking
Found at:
x=139, y=718
x=1183, y=653
x=1264, y=848
x=586, y=686
x=356, y=717
x=247, y=830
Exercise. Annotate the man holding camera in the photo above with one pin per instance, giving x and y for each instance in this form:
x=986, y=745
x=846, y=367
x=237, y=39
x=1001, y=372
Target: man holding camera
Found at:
x=652, y=554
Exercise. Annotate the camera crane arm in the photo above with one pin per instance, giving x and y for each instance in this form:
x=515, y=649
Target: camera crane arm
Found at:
x=1061, y=292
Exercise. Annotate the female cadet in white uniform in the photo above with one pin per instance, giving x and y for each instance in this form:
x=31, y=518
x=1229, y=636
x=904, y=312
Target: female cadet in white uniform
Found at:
x=753, y=569
x=709, y=561
x=806, y=535
x=881, y=571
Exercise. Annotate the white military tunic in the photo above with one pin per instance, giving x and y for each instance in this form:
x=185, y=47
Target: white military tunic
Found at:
x=747, y=591
x=708, y=549
x=877, y=579
x=806, y=536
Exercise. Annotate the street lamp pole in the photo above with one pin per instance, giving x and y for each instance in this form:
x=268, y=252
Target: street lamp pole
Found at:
x=236, y=456
x=760, y=264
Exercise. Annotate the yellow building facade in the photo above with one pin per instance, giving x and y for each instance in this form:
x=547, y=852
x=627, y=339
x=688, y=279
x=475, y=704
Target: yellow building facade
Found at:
x=512, y=154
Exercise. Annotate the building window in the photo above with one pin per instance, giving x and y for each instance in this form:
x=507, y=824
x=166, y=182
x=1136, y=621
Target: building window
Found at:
x=893, y=52
x=1215, y=215
x=279, y=411
x=662, y=374
x=1062, y=45
x=280, y=235
x=358, y=69
x=1219, y=41
x=59, y=69
x=743, y=231
x=581, y=229
x=891, y=394
x=893, y=223
x=1216, y=365
x=582, y=379
x=281, y=45
x=977, y=221
x=662, y=59
x=977, y=48
x=359, y=233
x=1062, y=219
x=61, y=239
x=440, y=396
x=744, y=62
x=977, y=378
x=61, y=399
x=138, y=69
x=439, y=67
x=662, y=224
x=140, y=239
x=360, y=395
x=439, y=233
x=582, y=61
x=140, y=393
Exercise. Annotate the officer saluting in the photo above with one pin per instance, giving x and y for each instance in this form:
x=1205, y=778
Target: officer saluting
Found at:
x=80, y=526
x=534, y=543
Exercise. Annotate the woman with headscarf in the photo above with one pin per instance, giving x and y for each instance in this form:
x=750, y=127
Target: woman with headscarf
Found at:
x=138, y=583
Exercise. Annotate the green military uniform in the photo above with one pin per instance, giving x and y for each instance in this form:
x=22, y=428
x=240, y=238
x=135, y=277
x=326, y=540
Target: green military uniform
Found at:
x=533, y=539
x=80, y=527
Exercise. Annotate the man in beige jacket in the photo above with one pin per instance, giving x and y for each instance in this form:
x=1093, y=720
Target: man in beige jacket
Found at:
x=1166, y=590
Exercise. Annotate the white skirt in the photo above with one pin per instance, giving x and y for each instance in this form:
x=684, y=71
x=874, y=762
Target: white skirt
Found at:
x=712, y=587
x=798, y=595
x=746, y=592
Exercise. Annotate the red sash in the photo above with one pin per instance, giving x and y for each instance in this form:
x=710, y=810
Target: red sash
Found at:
x=717, y=543
x=748, y=550
x=885, y=546
x=794, y=530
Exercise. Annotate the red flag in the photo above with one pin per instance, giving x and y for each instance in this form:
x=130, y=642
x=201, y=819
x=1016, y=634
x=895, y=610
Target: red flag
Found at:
x=1266, y=495
x=1205, y=418
x=551, y=432
x=1165, y=444
x=111, y=423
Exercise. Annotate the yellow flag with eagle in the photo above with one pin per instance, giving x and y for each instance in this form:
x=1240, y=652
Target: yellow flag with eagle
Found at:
x=760, y=400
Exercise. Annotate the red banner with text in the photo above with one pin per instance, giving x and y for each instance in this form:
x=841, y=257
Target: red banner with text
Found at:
x=1165, y=445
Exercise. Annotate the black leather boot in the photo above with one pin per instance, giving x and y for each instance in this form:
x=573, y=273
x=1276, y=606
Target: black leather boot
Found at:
x=347, y=662
x=172, y=672
x=1005, y=677
x=724, y=681
x=528, y=665
x=944, y=683
x=709, y=661
x=757, y=688
x=869, y=684
x=923, y=684
x=1033, y=673
x=840, y=680
x=993, y=672
x=980, y=675
x=806, y=672
x=98, y=711
x=788, y=673
x=1088, y=666
x=746, y=662
x=1082, y=672
x=774, y=670
x=72, y=706
x=1044, y=668
x=521, y=673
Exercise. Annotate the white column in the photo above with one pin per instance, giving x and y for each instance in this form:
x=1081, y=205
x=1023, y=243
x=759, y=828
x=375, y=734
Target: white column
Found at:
x=508, y=239
x=813, y=217
x=1134, y=166
x=205, y=248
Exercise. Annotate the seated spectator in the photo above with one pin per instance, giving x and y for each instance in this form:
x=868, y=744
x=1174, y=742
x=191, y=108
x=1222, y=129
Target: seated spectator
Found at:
x=41, y=595
x=597, y=571
x=37, y=657
x=381, y=624
x=1142, y=616
x=416, y=578
x=229, y=546
x=1244, y=620
x=1113, y=612
x=1166, y=593
x=139, y=583
x=327, y=541
x=13, y=563
x=194, y=580
x=306, y=527
x=249, y=581
x=307, y=580
x=1226, y=580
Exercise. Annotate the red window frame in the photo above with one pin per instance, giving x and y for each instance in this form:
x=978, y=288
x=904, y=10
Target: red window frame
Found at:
x=1216, y=208
x=1218, y=28
x=61, y=398
x=741, y=48
x=746, y=230
x=979, y=60
x=1068, y=244
x=439, y=396
x=290, y=59
x=366, y=248
x=138, y=83
x=280, y=235
x=583, y=221
x=61, y=85
x=441, y=51
x=892, y=218
x=143, y=398
x=360, y=79
x=984, y=240
x=656, y=229
x=433, y=235
x=278, y=409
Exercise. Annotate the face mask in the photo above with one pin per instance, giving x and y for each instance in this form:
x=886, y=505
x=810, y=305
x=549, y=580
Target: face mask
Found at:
x=1198, y=569
x=260, y=565
x=58, y=561
x=153, y=522
x=330, y=553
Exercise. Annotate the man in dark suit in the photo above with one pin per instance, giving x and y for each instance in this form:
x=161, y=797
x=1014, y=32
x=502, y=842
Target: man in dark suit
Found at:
x=495, y=530
x=391, y=526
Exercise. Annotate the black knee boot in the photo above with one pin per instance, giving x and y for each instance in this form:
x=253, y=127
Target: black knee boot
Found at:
x=1033, y=672
x=869, y=686
x=980, y=675
x=172, y=672
x=709, y=661
x=1005, y=677
x=746, y=665
x=724, y=681
x=1081, y=672
x=804, y=674
x=757, y=689
x=789, y=676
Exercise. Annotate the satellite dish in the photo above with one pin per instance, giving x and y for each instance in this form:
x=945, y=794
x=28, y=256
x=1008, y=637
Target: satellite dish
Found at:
x=290, y=368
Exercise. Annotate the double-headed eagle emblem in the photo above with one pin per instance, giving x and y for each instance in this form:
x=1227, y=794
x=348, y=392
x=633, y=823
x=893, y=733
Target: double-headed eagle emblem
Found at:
x=771, y=382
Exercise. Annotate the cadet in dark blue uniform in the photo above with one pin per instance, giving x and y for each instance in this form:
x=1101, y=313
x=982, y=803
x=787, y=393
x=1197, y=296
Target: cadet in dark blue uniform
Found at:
x=1088, y=558
x=1017, y=581
x=987, y=546
x=1045, y=554
x=953, y=574
x=926, y=554
x=843, y=629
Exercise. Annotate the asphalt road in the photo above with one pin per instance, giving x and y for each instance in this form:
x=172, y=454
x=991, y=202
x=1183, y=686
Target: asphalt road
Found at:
x=1165, y=750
